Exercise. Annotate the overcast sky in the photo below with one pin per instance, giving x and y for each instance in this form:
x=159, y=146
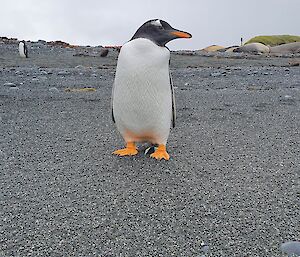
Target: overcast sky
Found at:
x=113, y=22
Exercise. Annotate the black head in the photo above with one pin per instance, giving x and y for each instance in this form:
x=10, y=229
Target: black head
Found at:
x=160, y=32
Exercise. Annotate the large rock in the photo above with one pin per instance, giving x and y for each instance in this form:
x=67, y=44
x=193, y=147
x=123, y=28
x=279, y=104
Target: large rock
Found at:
x=212, y=48
x=291, y=48
x=274, y=40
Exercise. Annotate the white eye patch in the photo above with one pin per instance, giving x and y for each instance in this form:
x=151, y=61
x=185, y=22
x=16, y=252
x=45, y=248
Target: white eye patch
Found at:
x=156, y=23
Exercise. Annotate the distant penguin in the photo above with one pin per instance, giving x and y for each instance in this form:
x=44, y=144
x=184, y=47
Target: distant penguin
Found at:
x=143, y=103
x=23, y=51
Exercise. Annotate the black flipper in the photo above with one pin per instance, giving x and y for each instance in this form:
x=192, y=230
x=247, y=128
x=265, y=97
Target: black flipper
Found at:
x=111, y=104
x=173, y=102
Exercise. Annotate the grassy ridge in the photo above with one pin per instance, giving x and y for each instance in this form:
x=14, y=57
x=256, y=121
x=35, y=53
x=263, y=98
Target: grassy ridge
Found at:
x=274, y=40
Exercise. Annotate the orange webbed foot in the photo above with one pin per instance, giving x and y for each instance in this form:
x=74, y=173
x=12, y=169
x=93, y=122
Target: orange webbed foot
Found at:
x=129, y=150
x=160, y=153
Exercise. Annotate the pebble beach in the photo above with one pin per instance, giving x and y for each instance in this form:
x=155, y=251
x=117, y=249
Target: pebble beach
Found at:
x=230, y=188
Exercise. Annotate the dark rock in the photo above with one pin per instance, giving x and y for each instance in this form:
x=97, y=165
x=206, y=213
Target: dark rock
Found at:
x=104, y=52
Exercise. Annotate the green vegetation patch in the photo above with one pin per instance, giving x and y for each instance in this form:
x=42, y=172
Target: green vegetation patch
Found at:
x=274, y=40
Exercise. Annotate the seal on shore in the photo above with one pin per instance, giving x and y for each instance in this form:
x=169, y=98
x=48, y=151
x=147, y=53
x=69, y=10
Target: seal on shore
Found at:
x=252, y=48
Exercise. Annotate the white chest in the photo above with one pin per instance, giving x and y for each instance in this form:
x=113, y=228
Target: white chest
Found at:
x=142, y=61
x=22, y=50
x=142, y=98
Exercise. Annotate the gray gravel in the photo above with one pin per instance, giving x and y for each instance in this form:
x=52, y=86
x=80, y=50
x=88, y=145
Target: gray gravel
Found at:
x=231, y=185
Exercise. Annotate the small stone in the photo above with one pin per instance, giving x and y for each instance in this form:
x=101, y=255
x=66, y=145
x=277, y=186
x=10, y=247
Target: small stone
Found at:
x=53, y=89
x=252, y=72
x=186, y=84
x=43, y=78
x=150, y=150
x=9, y=84
x=291, y=248
x=44, y=72
x=294, y=63
x=14, y=88
x=216, y=74
x=204, y=247
x=79, y=67
x=63, y=73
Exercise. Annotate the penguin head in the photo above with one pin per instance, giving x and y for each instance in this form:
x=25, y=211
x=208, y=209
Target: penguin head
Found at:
x=22, y=42
x=160, y=32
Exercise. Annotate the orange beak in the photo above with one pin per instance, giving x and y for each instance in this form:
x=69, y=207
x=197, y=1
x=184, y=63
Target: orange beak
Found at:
x=181, y=34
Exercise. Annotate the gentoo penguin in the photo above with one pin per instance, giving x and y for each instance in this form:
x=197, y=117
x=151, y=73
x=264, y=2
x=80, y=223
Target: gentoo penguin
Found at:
x=143, y=103
x=23, y=49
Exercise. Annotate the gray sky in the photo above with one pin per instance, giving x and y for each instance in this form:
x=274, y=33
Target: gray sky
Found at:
x=113, y=22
